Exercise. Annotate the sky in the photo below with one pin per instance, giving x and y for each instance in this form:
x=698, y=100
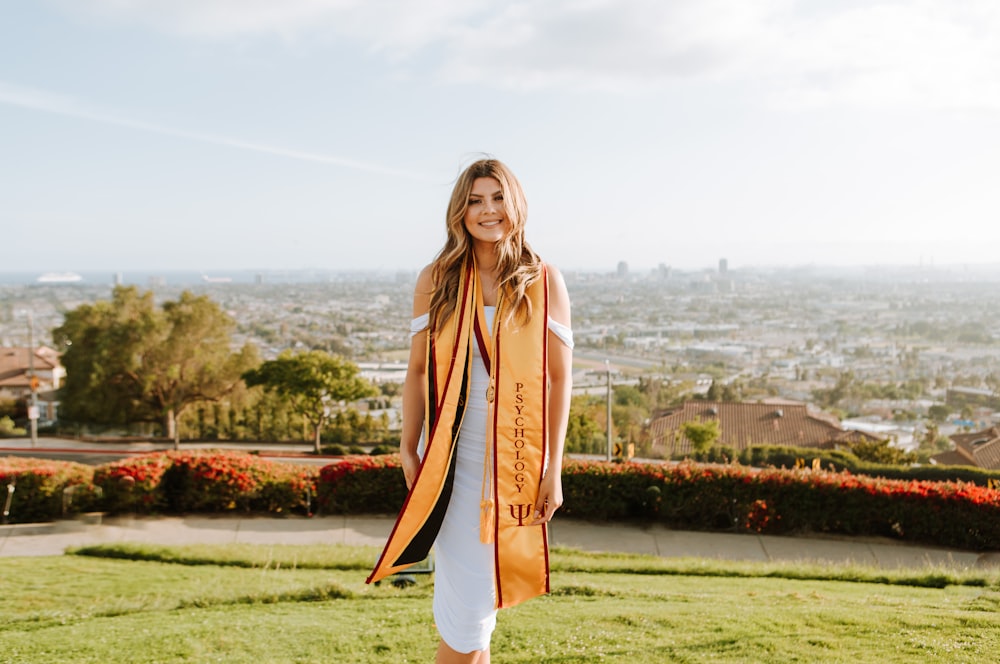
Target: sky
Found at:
x=222, y=135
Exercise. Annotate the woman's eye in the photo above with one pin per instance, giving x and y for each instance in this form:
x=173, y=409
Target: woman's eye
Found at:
x=475, y=202
x=499, y=199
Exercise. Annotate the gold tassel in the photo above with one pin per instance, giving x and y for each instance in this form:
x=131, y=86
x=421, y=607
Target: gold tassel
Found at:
x=486, y=518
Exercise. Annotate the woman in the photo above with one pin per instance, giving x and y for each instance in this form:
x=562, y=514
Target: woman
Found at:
x=488, y=385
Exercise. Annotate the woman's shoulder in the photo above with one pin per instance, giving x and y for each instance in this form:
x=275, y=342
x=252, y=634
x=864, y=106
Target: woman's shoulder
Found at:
x=425, y=280
x=552, y=274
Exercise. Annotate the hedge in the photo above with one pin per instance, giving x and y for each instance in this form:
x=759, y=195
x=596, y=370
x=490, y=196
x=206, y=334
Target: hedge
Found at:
x=362, y=485
x=776, y=456
x=45, y=489
x=785, y=501
x=206, y=481
x=686, y=495
x=734, y=498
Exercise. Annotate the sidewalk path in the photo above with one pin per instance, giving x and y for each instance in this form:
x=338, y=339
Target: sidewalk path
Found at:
x=52, y=539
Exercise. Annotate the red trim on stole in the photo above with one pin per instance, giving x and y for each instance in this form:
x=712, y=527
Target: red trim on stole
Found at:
x=545, y=419
x=439, y=401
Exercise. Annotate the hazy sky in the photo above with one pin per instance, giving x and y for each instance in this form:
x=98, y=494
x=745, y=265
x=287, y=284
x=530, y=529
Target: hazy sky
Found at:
x=267, y=134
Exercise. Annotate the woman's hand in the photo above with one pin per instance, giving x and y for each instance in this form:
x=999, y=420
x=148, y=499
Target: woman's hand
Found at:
x=411, y=464
x=550, y=497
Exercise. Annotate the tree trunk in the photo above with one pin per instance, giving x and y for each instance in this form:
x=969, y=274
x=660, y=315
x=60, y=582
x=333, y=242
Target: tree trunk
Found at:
x=316, y=441
x=170, y=426
x=174, y=417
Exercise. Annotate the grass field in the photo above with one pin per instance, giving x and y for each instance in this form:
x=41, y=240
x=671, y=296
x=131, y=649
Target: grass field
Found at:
x=265, y=604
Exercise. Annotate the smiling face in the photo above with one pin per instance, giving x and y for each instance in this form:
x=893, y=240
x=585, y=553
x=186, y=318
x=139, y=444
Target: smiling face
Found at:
x=485, y=216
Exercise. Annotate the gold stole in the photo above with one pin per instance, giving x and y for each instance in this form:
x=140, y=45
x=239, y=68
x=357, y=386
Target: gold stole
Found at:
x=516, y=445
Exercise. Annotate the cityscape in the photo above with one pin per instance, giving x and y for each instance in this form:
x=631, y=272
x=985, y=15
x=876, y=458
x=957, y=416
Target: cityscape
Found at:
x=917, y=337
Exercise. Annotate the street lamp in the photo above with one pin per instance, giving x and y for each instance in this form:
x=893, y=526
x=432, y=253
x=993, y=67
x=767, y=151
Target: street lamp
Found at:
x=607, y=367
x=33, y=382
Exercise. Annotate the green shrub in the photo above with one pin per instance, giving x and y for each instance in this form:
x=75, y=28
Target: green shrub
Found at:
x=362, y=485
x=780, y=501
x=774, y=456
x=7, y=427
x=45, y=489
x=206, y=481
x=688, y=495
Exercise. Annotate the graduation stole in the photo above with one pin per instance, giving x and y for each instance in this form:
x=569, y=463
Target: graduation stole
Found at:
x=516, y=355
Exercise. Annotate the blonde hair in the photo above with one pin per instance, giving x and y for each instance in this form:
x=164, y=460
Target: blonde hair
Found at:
x=518, y=266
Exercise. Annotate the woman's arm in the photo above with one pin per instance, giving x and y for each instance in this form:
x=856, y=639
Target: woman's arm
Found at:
x=560, y=367
x=415, y=385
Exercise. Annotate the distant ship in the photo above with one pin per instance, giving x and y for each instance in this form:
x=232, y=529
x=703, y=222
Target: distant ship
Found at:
x=216, y=280
x=59, y=278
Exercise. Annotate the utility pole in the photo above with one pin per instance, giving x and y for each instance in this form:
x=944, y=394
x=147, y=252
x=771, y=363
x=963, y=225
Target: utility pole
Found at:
x=33, y=382
x=607, y=366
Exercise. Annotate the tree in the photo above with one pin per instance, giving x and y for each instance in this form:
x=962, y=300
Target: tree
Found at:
x=585, y=430
x=191, y=361
x=311, y=382
x=881, y=451
x=103, y=342
x=703, y=435
x=126, y=361
x=714, y=392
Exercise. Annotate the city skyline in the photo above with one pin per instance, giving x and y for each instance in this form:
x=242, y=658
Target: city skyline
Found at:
x=221, y=135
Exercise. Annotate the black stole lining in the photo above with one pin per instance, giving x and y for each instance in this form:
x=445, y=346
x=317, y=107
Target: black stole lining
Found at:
x=420, y=546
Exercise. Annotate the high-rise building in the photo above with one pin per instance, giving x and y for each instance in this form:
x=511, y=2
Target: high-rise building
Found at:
x=723, y=266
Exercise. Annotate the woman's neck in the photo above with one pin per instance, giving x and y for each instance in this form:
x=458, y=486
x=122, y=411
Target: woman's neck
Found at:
x=486, y=258
x=486, y=265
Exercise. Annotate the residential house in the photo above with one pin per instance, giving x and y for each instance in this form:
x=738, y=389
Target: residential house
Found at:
x=978, y=448
x=745, y=424
x=15, y=378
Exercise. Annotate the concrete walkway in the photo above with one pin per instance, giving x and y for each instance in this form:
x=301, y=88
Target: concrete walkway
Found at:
x=51, y=539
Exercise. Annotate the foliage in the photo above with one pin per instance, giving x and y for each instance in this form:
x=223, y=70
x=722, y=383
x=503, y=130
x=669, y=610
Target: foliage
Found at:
x=780, y=501
x=7, y=427
x=702, y=435
x=104, y=343
x=362, y=485
x=632, y=407
x=127, y=361
x=206, y=481
x=133, y=484
x=777, y=456
x=804, y=498
x=848, y=388
x=45, y=489
x=349, y=427
x=880, y=451
x=311, y=382
x=585, y=431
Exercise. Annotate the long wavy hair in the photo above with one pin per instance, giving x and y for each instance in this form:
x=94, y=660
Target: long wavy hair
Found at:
x=518, y=265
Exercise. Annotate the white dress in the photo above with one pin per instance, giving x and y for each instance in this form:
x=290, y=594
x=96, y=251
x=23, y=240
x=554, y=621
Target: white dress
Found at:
x=464, y=593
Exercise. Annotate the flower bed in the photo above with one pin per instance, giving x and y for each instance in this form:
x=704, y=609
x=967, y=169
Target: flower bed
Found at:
x=362, y=485
x=778, y=501
x=45, y=489
x=206, y=481
x=685, y=495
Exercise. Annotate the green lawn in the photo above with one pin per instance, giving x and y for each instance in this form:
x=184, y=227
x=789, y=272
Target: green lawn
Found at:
x=309, y=604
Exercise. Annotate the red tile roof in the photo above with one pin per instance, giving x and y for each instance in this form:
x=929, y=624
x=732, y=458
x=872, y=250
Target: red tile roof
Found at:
x=14, y=365
x=977, y=448
x=744, y=424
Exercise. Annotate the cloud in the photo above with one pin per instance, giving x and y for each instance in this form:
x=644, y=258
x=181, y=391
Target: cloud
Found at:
x=48, y=102
x=792, y=53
